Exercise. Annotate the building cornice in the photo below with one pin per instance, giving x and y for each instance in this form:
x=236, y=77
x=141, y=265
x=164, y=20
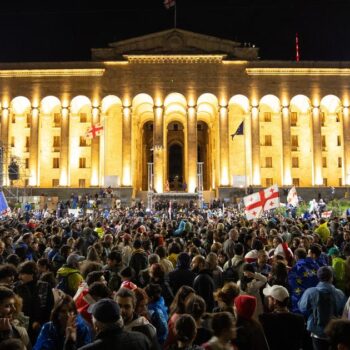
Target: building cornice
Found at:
x=299, y=71
x=174, y=58
x=24, y=73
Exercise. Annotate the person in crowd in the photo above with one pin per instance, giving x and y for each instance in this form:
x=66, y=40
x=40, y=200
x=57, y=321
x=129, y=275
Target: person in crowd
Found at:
x=338, y=332
x=138, y=260
x=302, y=276
x=8, y=273
x=8, y=329
x=108, y=326
x=53, y=334
x=320, y=304
x=224, y=332
x=195, y=306
x=157, y=276
x=338, y=264
x=233, y=268
x=203, y=284
x=215, y=269
x=69, y=276
x=279, y=275
x=261, y=265
x=250, y=334
x=113, y=268
x=182, y=275
x=323, y=231
x=279, y=322
x=225, y=297
x=164, y=261
x=126, y=300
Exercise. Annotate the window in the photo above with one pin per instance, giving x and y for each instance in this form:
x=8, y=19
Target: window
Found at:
x=199, y=127
x=81, y=183
x=338, y=140
x=55, y=182
x=176, y=127
x=12, y=141
x=56, y=143
x=340, y=162
x=324, y=145
x=325, y=181
x=295, y=142
x=27, y=163
x=267, y=117
x=324, y=162
x=28, y=120
x=323, y=118
x=83, y=118
x=268, y=181
x=27, y=144
x=296, y=182
x=293, y=119
x=56, y=120
x=295, y=162
x=13, y=118
x=268, y=162
x=268, y=140
x=55, y=163
x=340, y=182
x=82, y=142
x=82, y=163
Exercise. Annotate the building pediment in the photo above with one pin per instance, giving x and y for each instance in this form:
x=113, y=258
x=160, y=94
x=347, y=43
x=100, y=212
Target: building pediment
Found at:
x=175, y=42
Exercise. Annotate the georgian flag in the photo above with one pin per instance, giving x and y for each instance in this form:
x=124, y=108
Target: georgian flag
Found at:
x=326, y=214
x=292, y=198
x=4, y=208
x=169, y=3
x=259, y=202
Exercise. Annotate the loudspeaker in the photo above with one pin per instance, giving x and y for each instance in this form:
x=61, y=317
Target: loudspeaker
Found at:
x=13, y=171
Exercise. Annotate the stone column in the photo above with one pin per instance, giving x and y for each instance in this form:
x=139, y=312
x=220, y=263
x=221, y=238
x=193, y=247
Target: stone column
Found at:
x=126, y=148
x=287, y=152
x=95, y=149
x=346, y=145
x=64, y=151
x=316, y=146
x=34, y=148
x=5, y=142
x=256, y=180
x=191, y=148
x=224, y=151
x=158, y=149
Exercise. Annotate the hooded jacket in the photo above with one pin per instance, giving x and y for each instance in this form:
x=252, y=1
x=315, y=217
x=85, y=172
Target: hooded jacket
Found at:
x=73, y=275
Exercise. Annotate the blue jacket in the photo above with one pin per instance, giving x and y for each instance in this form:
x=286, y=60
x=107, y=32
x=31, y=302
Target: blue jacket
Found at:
x=308, y=304
x=180, y=229
x=50, y=338
x=159, y=318
x=303, y=275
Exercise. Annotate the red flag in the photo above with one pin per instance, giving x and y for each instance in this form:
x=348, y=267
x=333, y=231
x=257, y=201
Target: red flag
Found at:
x=297, y=57
x=93, y=131
x=169, y=3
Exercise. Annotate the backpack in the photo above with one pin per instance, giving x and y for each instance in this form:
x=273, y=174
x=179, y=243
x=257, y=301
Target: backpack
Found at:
x=325, y=309
x=231, y=274
x=63, y=284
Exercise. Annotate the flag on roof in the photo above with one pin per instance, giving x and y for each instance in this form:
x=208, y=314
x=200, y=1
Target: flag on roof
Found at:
x=93, y=131
x=4, y=208
x=239, y=131
x=169, y=3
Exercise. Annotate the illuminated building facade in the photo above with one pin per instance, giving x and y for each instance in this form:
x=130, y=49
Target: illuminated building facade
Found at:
x=173, y=98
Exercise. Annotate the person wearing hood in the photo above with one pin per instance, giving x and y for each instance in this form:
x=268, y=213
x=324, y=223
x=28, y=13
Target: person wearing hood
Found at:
x=323, y=231
x=157, y=311
x=126, y=300
x=69, y=276
x=182, y=275
x=203, y=284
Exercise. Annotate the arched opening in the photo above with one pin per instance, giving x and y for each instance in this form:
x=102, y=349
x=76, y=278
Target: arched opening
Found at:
x=175, y=167
x=147, y=152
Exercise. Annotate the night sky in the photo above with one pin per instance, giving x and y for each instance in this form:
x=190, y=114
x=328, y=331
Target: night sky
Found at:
x=63, y=30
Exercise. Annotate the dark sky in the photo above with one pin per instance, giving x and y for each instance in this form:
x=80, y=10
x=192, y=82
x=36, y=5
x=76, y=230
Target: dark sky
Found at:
x=65, y=30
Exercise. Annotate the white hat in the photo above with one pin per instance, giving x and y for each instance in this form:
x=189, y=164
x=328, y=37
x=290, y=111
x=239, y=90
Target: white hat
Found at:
x=277, y=292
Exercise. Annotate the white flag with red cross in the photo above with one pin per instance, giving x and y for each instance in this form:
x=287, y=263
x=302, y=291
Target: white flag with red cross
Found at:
x=93, y=131
x=259, y=202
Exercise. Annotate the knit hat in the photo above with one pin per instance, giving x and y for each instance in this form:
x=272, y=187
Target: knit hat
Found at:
x=245, y=306
x=106, y=311
x=325, y=274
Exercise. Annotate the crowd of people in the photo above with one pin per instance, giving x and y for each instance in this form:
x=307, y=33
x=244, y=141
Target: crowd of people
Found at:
x=131, y=278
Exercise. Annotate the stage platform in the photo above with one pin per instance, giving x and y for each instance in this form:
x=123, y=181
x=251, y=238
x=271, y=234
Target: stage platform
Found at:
x=179, y=197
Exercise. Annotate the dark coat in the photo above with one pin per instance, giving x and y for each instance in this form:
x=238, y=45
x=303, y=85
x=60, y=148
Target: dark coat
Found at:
x=181, y=277
x=118, y=339
x=204, y=286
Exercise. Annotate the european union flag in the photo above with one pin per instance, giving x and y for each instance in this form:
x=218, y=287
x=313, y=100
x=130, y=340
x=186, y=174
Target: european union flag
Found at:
x=239, y=131
x=4, y=208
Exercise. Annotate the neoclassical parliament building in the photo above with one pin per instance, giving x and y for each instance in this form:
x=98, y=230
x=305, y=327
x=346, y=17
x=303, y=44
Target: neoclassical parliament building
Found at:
x=175, y=99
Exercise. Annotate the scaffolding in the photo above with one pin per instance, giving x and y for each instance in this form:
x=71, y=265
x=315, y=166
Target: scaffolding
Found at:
x=200, y=184
x=13, y=189
x=150, y=186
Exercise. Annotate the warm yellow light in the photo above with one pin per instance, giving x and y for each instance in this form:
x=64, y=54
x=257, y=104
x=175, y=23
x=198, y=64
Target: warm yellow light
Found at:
x=126, y=176
x=19, y=73
x=299, y=71
x=63, y=177
x=192, y=184
x=224, y=176
x=94, y=178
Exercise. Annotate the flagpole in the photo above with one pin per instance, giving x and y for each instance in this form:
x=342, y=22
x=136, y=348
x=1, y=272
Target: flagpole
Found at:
x=175, y=7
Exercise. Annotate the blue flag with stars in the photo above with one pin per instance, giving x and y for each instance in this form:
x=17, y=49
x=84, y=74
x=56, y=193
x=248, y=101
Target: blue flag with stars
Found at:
x=4, y=208
x=239, y=131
